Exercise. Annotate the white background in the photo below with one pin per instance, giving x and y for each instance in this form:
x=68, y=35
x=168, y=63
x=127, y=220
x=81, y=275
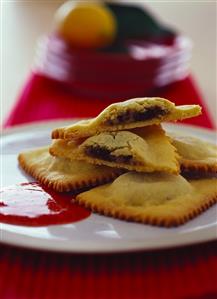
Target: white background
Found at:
x=22, y=22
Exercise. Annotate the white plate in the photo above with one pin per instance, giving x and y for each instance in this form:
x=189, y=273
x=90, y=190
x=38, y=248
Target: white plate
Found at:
x=96, y=234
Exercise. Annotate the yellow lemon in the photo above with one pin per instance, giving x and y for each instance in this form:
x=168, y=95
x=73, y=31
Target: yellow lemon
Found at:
x=86, y=25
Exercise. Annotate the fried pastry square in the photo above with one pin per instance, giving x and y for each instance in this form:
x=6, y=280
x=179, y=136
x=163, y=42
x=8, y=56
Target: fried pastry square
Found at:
x=138, y=112
x=145, y=149
x=62, y=174
x=195, y=155
x=156, y=199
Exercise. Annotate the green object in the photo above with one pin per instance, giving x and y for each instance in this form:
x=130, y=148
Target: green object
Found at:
x=135, y=22
x=116, y=47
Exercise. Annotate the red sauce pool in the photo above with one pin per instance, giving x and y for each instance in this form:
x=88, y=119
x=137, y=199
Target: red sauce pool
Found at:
x=31, y=204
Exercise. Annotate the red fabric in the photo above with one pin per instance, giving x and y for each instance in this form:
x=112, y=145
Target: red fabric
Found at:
x=182, y=273
x=44, y=98
x=188, y=272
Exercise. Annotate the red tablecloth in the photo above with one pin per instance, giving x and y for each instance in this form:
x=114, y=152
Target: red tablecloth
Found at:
x=184, y=273
x=188, y=272
x=44, y=99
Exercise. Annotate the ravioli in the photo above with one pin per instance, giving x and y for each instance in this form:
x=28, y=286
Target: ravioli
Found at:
x=195, y=154
x=133, y=113
x=62, y=174
x=157, y=199
x=145, y=149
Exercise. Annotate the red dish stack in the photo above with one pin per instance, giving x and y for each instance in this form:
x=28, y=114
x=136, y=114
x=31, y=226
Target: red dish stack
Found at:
x=143, y=67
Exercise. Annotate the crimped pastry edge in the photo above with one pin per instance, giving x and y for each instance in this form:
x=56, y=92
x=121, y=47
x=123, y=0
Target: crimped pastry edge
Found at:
x=120, y=213
x=189, y=166
x=64, y=186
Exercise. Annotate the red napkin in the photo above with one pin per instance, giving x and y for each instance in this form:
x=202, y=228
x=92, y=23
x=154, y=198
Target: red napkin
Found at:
x=182, y=273
x=44, y=99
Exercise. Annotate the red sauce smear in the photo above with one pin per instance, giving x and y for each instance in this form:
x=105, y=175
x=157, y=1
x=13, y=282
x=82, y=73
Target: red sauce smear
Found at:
x=31, y=204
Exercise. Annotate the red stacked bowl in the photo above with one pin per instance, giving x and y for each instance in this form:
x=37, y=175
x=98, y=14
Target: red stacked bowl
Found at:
x=145, y=66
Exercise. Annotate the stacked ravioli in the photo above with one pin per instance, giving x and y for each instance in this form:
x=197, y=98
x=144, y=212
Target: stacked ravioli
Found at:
x=129, y=167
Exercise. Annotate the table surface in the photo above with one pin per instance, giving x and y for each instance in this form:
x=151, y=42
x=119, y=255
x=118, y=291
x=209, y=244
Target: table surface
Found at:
x=24, y=21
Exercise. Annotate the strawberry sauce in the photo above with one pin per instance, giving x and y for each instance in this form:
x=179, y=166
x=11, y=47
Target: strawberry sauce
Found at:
x=31, y=204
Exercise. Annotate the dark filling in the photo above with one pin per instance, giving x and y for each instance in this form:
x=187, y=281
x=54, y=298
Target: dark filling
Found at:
x=105, y=154
x=149, y=113
x=134, y=116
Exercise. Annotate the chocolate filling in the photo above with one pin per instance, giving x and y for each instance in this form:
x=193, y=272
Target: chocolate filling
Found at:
x=134, y=116
x=105, y=154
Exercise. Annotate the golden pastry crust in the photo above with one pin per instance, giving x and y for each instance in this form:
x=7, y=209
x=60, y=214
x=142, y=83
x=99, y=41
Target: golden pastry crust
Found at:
x=63, y=175
x=156, y=199
x=145, y=149
x=138, y=112
x=195, y=155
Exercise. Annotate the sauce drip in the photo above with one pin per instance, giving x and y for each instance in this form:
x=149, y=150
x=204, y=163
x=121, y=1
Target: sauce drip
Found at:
x=31, y=204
